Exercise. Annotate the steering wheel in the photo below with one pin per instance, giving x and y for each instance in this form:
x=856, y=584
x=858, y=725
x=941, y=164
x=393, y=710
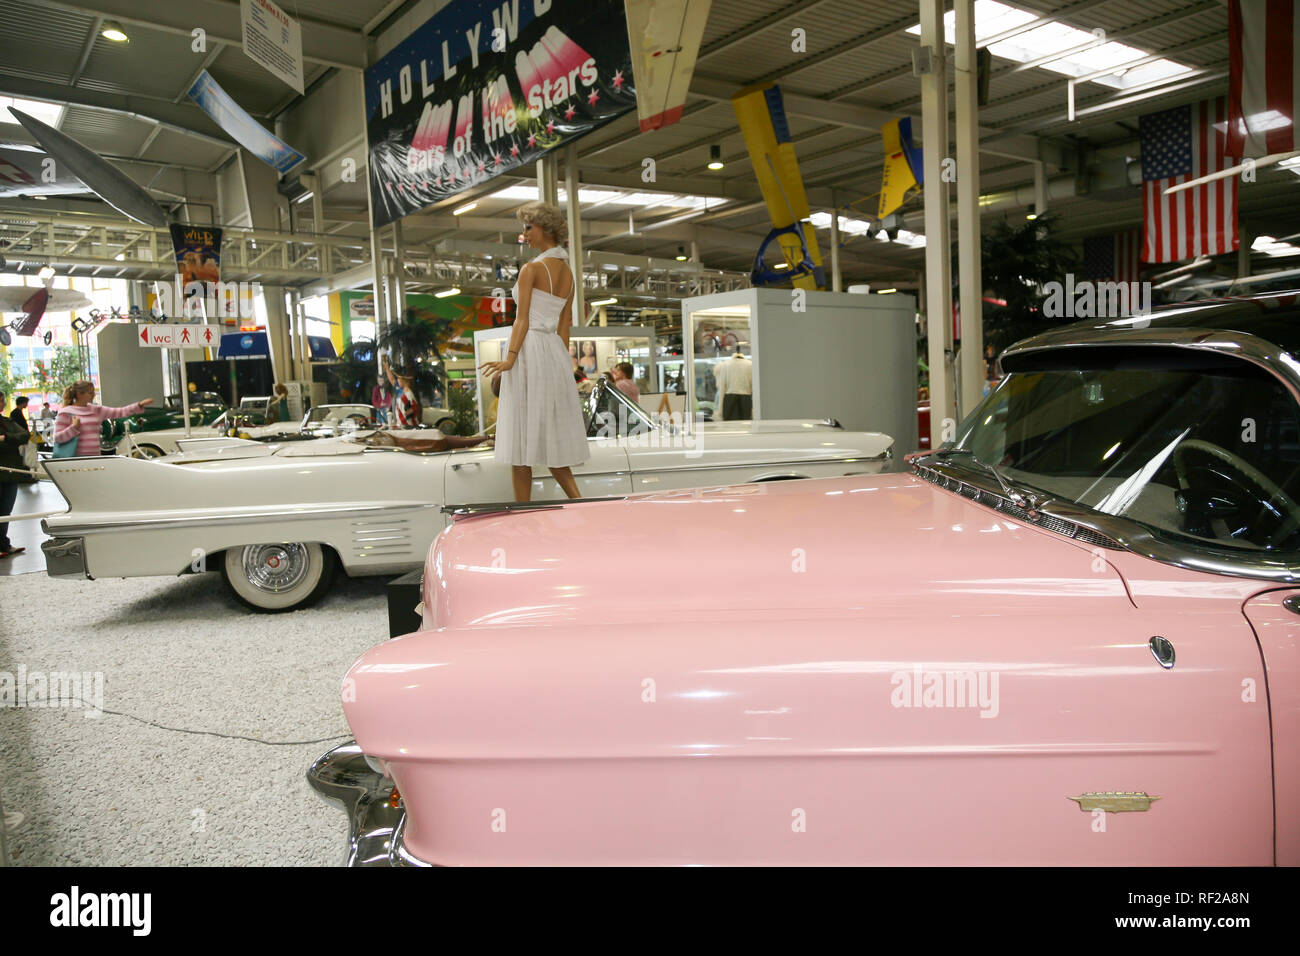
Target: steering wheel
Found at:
x=1232, y=489
x=359, y=418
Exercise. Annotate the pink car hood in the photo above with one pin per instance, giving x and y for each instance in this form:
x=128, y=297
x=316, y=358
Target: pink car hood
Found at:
x=811, y=549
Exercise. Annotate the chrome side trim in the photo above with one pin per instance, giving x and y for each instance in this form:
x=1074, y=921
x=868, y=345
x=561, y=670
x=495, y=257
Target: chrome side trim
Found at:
x=246, y=517
x=502, y=507
x=887, y=455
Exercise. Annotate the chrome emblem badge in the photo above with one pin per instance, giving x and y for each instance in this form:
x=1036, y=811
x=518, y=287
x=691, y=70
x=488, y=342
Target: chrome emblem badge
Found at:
x=1115, y=801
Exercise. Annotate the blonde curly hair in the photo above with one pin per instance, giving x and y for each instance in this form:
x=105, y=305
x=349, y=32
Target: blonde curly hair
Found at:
x=550, y=219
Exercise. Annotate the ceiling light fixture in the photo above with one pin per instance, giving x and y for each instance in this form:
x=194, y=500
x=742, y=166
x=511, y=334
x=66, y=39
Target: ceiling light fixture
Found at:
x=112, y=30
x=604, y=302
x=681, y=253
x=715, y=156
x=447, y=292
x=465, y=208
x=1032, y=214
x=885, y=291
x=45, y=272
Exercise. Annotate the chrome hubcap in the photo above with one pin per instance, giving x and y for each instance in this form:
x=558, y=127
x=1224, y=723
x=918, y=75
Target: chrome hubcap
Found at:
x=275, y=567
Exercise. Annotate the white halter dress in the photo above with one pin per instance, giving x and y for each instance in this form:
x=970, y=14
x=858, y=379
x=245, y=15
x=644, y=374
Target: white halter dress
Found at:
x=539, y=422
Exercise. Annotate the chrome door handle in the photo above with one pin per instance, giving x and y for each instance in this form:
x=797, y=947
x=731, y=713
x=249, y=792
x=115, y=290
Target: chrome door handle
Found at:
x=1162, y=649
x=457, y=466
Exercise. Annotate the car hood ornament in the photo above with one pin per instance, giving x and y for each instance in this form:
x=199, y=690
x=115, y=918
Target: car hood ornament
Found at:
x=1113, y=801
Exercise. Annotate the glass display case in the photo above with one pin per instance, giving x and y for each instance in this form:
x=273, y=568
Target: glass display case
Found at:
x=718, y=336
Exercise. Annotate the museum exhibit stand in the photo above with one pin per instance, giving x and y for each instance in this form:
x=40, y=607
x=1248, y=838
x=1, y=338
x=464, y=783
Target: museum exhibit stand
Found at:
x=846, y=356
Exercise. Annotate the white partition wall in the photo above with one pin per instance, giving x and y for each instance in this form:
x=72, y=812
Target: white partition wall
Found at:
x=845, y=356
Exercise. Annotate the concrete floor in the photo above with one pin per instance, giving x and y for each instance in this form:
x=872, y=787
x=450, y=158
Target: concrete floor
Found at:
x=212, y=714
x=35, y=498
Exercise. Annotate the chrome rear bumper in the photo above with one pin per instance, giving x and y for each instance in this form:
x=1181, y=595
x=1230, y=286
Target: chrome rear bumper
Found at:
x=344, y=777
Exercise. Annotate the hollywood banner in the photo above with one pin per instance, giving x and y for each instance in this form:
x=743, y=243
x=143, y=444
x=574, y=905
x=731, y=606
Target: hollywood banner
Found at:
x=487, y=86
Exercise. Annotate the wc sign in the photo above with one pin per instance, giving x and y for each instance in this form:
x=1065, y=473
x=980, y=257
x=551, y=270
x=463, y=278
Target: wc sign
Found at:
x=179, y=336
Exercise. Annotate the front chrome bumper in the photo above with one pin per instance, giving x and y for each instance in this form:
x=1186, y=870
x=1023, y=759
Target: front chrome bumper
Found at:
x=374, y=828
x=65, y=557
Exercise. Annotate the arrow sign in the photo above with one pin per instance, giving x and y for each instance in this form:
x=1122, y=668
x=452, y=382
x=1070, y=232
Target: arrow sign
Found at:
x=177, y=336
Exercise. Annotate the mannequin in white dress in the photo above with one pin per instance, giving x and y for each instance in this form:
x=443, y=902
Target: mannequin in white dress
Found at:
x=539, y=421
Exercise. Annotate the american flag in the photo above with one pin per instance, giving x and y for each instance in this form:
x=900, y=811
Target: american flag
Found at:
x=1178, y=145
x=1263, y=86
x=1114, y=258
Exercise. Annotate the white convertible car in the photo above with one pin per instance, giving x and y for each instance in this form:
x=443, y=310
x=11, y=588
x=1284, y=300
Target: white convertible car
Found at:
x=277, y=519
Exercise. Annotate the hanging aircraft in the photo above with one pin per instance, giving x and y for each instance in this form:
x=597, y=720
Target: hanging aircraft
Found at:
x=33, y=303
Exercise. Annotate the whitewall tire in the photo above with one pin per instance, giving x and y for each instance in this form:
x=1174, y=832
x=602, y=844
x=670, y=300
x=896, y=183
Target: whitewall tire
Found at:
x=279, y=577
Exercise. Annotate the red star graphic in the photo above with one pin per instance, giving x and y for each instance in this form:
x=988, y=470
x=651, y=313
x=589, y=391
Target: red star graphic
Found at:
x=618, y=80
x=451, y=177
x=437, y=183
x=514, y=150
x=496, y=159
x=481, y=167
x=532, y=140
x=568, y=114
x=593, y=97
x=550, y=126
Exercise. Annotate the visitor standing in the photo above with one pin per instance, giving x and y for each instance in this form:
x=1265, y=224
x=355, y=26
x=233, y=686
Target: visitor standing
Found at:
x=12, y=439
x=80, y=418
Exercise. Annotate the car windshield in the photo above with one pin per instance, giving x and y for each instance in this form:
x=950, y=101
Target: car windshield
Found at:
x=608, y=412
x=1203, y=450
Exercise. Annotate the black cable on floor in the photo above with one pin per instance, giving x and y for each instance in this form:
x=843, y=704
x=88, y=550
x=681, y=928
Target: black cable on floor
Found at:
x=211, y=733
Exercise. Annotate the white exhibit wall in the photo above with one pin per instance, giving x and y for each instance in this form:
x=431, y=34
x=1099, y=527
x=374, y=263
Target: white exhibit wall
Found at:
x=128, y=371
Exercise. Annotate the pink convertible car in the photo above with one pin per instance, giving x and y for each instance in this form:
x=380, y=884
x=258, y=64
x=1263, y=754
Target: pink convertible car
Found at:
x=1071, y=636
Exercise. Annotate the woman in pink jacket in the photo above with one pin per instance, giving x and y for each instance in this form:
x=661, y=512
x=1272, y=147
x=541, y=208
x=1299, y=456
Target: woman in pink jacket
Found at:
x=80, y=419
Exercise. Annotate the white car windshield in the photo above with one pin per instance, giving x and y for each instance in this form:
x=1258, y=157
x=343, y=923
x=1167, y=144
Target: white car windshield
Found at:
x=1193, y=448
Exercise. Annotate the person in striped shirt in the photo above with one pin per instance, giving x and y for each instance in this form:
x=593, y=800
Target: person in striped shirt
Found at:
x=81, y=418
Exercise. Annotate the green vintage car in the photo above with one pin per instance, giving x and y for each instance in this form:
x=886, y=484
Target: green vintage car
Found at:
x=205, y=408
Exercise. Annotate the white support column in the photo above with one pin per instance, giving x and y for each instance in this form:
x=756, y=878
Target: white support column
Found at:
x=548, y=187
x=836, y=285
x=938, y=269
x=397, y=280
x=970, y=280
x=377, y=282
x=376, y=248
x=278, y=333
x=304, y=347
x=575, y=233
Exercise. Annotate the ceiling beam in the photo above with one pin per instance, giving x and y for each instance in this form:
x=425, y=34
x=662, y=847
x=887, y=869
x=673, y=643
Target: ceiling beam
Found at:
x=182, y=117
x=148, y=140
x=856, y=116
x=208, y=60
x=321, y=42
x=723, y=44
